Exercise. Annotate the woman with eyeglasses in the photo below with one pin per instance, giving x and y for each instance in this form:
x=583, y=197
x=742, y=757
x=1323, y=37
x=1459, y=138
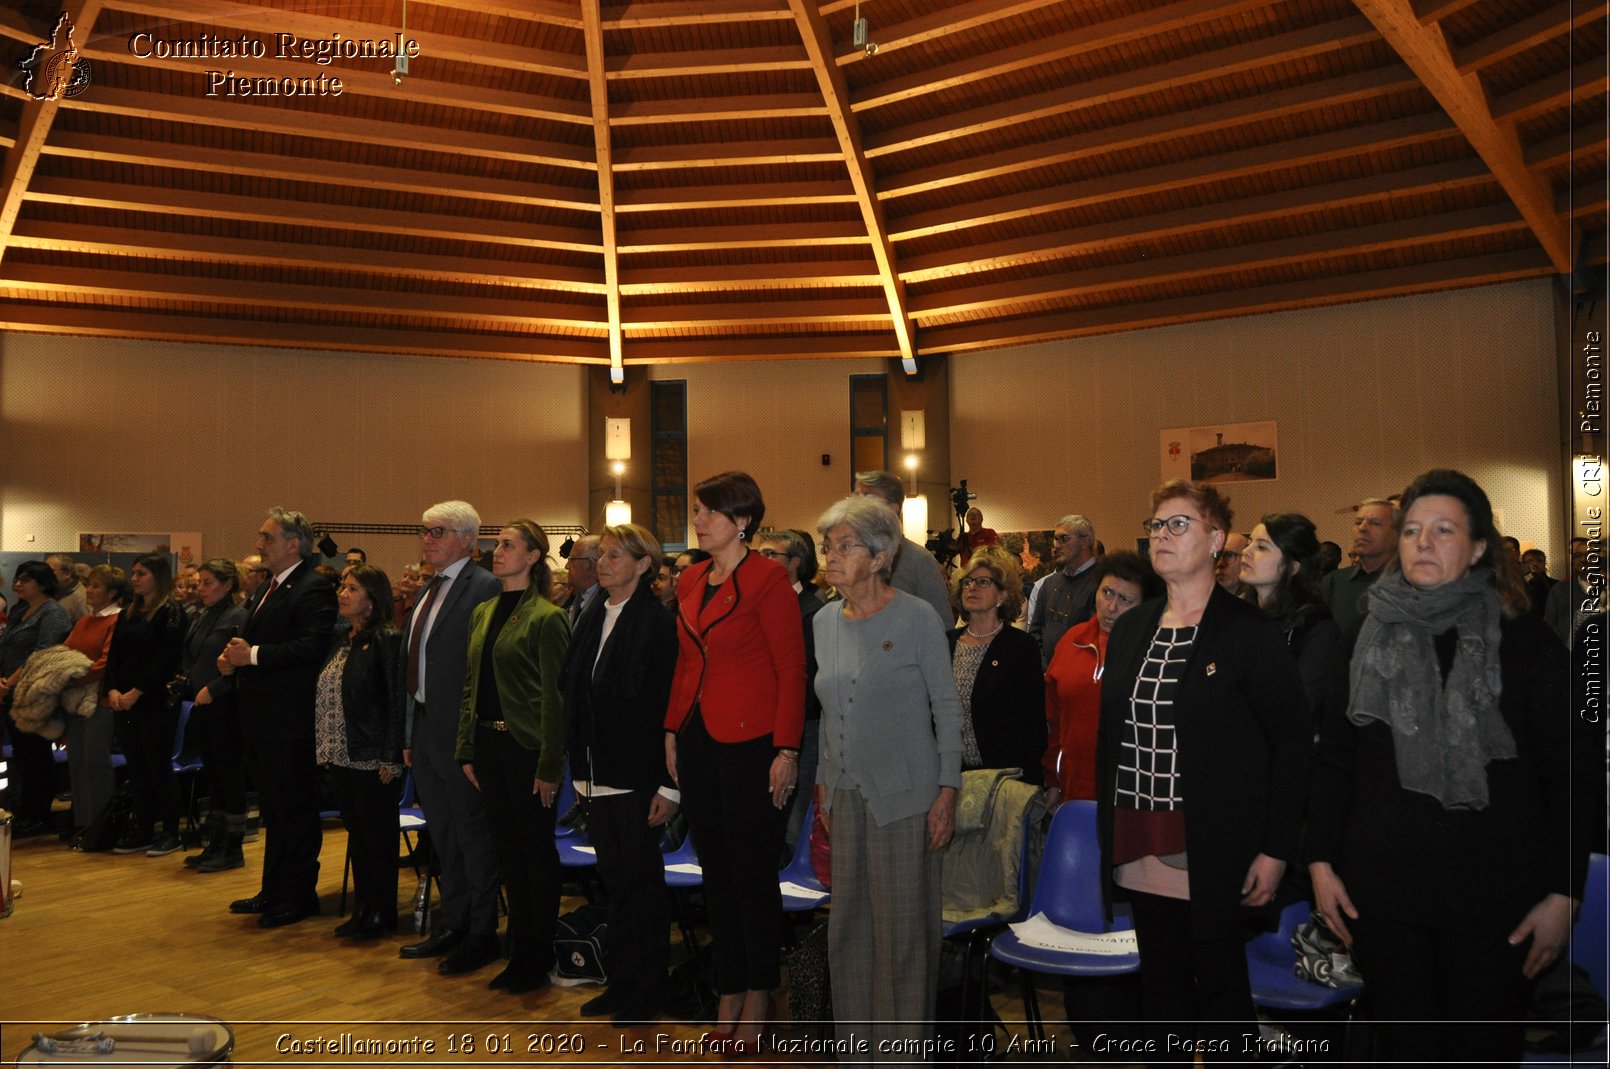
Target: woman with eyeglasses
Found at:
x=1073, y=682
x=997, y=668
x=1280, y=565
x=889, y=775
x=733, y=728
x=1202, y=766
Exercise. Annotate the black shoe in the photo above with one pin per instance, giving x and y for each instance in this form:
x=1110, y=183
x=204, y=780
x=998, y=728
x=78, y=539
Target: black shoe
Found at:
x=258, y=903
x=280, y=916
x=28, y=829
x=165, y=844
x=602, y=1005
x=442, y=942
x=134, y=842
x=519, y=978
x=350, y=927
x=473, y=953
x=228, y=857
x=377, y=923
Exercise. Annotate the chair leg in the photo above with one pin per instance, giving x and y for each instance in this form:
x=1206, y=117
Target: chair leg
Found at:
x=1031, y=1007
x=346, y=876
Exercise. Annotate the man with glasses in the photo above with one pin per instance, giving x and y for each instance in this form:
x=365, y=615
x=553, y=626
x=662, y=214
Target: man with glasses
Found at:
x=436, y=636
x=1068, y=595
x=1227, y=565
x=915, y=570
x=581, y=568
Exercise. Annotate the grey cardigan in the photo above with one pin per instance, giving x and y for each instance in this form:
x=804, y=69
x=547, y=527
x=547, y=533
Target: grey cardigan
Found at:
x=891, y=720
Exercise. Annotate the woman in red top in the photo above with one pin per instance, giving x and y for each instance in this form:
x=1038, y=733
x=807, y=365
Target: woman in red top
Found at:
x=89, y=738
x=733, y=728
x=1073, y=681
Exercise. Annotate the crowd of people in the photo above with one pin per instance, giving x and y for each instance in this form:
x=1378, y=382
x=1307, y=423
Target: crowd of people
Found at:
x=1256, y=724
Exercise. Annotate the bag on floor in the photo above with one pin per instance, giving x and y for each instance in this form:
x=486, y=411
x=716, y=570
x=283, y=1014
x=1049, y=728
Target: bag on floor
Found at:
x=578, y=945
x=101, y=833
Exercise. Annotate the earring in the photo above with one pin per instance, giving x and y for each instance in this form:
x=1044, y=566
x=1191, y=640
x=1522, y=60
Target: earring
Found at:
x=742, y=534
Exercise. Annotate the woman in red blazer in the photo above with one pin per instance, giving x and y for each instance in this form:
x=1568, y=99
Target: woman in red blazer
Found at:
x=733, y=727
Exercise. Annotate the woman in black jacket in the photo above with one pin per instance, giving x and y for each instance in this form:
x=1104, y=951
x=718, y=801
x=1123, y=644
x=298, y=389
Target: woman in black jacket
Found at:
x=360, y=741
x=616, y=682
x=144, y=659
x=215, y=717
x=997, y=669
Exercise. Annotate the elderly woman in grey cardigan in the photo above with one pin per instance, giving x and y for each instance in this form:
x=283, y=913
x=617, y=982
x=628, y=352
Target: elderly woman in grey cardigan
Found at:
x=890, y=769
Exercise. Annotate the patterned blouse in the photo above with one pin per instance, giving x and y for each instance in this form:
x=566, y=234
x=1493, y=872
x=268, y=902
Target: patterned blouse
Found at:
x=330, y=722
x=965, y=664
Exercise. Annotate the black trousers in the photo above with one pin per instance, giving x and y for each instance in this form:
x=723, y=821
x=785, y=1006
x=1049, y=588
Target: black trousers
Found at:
x=31, y=771
x=1194, y=989
x=633, y=871
x=145, y=734
x=287, y=778
x=1449, y=995
x=216, y=729
x=738, y=834
x=369, y=813
x=522, y=834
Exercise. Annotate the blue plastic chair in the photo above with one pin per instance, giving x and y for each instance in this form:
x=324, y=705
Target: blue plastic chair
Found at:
x=1068, y=892
x=1590, y=951
x=798, y=871
x=183, y=767
x=1275, y=986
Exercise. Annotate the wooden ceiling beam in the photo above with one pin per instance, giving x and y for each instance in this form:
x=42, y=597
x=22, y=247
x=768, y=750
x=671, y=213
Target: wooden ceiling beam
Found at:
x=828, y=311
x=23, y=28
x=312, y=214
x=1264, y=107
x=592, y=34
x=1220, y=215
x=1337, y=144
x=836, y=91
x=548, y=12
x=34, y=125
x=378, y=84
x=1589, y=78
x=662, y=352
x=204, y=248
x=937, y=25
x=706, y=64
x=701, y=156
x=433, y=47
x=756, y=108
x=1576, y=142
x=329, y=126
x=1425, y=50
x=715, y=238
x=1160, y=21
x=643, y=16
x=1556, y=21
x=1313, y=293
x=1307, y=248
x=1144, y=81
x=312, y=299
x=1588, y=199
x=342, y=337
x=1428, y=11
x=802, y=274
x=706, y=198
x=319, y=172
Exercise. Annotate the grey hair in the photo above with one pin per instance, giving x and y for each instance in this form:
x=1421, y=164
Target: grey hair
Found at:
x=293, y=524
x=886, y=484
x=1392, y=507
x=875, y=527
x=457, y=516
x=1078, y=524
x=588, y=545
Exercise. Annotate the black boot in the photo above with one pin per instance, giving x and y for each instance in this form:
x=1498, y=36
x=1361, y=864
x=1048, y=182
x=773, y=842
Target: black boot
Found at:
x=229, y=855
x=215, y=842
x=526, y=970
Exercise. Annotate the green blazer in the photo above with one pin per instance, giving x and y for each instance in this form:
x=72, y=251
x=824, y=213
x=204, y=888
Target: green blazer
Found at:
x=527, y=656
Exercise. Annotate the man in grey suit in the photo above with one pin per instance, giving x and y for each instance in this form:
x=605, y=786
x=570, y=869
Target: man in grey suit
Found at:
x=915, y=570
x=436, y=642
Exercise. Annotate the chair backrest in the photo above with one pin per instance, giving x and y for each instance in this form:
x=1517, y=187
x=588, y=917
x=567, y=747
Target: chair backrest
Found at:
x=1068, y=890
x=178, y=731
x=407, y=799
x=1590, y=947
x=801, y=861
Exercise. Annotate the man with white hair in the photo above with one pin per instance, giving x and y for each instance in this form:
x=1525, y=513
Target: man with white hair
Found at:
x=915, y=570
x=1068, y=595
x=436, y=636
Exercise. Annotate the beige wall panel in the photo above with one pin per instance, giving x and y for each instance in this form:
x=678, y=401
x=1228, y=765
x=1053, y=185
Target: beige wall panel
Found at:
x=1366, y=395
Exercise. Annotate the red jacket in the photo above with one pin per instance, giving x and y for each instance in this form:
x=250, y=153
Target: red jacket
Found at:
x=1073, y=709
x=742, y=656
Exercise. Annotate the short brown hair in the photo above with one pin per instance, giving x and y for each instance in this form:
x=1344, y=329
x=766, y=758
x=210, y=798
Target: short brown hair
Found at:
x=1214, y=506
x=115, y=579
x=733, y=494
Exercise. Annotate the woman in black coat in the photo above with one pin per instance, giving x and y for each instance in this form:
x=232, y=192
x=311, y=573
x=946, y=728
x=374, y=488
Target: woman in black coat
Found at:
x=144, y=658
x=359, y=741
x=616, y=682
x=37, y=622
x=215, y=716
x=997, y=669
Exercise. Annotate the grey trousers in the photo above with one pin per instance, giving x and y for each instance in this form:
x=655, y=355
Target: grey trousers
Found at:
x=884, y=930
x=89, y=763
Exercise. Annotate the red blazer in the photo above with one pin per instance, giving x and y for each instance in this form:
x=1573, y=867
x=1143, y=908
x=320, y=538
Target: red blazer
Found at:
x=742, y=657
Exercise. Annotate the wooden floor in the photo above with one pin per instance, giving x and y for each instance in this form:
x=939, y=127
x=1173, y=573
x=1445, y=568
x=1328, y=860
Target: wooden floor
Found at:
x=98, y=935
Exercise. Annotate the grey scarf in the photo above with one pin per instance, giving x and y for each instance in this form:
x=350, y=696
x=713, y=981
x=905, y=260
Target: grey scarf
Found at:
x=1443, y=733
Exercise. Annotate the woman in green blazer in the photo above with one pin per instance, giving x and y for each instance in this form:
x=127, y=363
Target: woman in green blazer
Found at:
x=511, y=741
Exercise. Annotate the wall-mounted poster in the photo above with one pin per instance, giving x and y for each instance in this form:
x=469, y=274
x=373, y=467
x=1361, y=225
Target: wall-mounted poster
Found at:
x=95, y=547
x=1228, y=452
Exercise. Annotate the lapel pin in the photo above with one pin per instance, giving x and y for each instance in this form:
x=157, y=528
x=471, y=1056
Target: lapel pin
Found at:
x=1212, y=667
x=888, y=645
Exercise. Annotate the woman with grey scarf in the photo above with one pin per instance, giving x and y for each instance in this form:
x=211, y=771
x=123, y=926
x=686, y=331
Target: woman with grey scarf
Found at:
x=1440, y=841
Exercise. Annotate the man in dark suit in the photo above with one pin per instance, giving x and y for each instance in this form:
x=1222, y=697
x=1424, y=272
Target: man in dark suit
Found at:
x=436, y=637
x=277, y=661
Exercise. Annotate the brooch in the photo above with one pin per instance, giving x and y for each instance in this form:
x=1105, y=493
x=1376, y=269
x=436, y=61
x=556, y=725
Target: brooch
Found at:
x=888, y=645
x=1213, y=666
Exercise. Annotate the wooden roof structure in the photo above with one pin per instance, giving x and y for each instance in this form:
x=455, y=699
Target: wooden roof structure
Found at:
x=659, y=181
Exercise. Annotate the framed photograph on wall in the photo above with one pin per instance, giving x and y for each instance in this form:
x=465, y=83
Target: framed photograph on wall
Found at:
x=1223, y=453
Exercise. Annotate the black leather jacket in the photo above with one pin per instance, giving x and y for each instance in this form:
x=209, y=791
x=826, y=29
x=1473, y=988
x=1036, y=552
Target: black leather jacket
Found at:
x=374, y=720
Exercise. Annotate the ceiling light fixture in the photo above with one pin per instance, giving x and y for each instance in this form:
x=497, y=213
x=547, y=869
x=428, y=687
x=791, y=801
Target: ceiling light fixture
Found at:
x=399, y=65
x=860, y=33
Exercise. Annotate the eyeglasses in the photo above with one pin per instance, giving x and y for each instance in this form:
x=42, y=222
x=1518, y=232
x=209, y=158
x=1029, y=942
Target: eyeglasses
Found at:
x=433, y=532
x=978, y=581
x=262, y=571
x=1059, y=539
x=1229, y=554
x=1107, y=593
x=843, y=549
x=1177, y=525
x=772, y=554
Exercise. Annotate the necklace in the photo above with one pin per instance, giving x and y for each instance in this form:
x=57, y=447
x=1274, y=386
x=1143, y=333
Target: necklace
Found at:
x=991, y=634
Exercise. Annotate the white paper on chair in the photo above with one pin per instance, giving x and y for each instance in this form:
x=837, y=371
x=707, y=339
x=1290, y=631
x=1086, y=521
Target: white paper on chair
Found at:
x=797, y=890
x=1039, y=932
x=685, y=868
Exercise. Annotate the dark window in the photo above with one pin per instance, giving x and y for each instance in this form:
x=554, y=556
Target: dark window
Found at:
x=669, y=466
